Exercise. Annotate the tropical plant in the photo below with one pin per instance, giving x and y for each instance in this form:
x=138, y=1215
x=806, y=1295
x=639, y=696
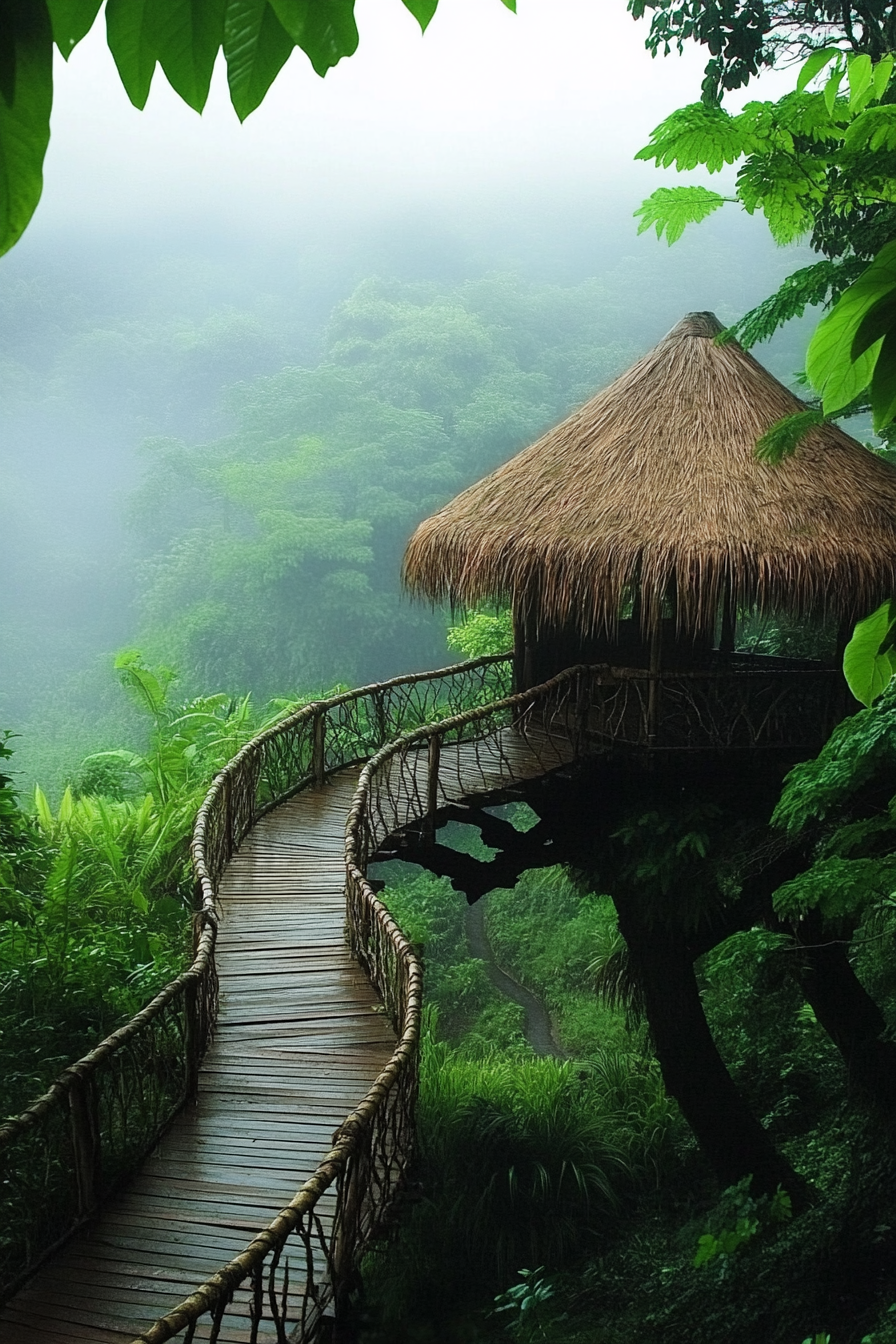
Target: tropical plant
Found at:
x=523, y=1303
x=97, y=891
x=481, y=633
x=738, y=1217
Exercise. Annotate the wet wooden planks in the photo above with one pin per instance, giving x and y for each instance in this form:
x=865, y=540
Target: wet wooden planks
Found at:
x=298, y=1043
x=299, y=1040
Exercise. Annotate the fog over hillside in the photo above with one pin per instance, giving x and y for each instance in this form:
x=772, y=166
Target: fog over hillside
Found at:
x=176, y=258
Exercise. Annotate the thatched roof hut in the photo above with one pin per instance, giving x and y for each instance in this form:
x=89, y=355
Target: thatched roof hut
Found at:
x=654, y=487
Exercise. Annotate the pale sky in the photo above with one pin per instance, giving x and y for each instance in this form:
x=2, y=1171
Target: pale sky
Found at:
x=485, y=104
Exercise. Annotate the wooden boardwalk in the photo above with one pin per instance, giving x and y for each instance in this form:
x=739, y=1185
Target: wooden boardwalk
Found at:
x=299, y=1040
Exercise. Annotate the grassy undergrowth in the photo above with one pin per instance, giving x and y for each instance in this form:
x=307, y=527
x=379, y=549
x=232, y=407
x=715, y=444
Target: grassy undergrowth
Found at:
x=579, y=1179
x=96, y=889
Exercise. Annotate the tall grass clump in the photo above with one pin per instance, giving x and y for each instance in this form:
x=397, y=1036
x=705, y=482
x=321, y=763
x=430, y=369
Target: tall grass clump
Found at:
x=523, y=1162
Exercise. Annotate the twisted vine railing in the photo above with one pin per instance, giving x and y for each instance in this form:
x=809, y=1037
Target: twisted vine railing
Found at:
x=64, y=1154
x=427, y=740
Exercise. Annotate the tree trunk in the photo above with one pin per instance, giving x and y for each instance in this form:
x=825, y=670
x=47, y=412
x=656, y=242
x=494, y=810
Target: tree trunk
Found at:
x=731, y=1137
x=848, y=1014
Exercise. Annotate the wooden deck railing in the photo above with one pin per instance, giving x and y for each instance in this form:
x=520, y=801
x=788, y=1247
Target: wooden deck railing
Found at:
x=426, y=740
x=97, y=1121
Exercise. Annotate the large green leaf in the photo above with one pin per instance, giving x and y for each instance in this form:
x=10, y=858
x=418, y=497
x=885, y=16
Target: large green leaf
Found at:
x=26, y=98
x=130, y=32
x=878, y=321
x=422, y=11
x=883, y=383
x=257, y=47
x=832, y=87
x=815, y=64
x=859, y=73
x=869, y=659
x=829, y=359
x=71, y=20
x=189, y=34
x=324, y=29
x=882, y=75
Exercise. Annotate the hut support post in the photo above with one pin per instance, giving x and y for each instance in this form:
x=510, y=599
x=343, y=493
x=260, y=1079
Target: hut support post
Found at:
x=654, y=687
x=726, y=636
x=432, y=788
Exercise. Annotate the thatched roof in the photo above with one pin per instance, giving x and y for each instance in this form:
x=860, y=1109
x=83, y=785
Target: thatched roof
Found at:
x=656, y=477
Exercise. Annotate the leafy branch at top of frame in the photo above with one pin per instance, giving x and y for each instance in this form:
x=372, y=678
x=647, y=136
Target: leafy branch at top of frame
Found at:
x=183, y=37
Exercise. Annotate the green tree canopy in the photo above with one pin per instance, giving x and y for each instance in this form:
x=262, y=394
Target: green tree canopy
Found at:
x=745, y=36
x=272, y=554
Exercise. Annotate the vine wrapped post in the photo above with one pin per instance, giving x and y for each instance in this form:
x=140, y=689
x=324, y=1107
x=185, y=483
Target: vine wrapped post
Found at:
x=318, y=749
x=227, y=792
x=379, y=710
x=86, y=1146
x=432, y=786
x=194, y=1037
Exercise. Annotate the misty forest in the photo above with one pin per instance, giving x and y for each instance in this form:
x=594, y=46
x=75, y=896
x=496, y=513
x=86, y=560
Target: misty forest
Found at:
x=600, y=921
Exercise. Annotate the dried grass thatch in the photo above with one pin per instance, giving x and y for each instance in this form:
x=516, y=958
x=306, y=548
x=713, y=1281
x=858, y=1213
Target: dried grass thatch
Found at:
x=656, y=480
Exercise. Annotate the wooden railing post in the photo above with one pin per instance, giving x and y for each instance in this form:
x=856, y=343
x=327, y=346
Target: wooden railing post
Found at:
x=379, y=705
x=193, y=1041
x=228, y=813
x=432, y=787
x=318, y=758
x=85, y=1141
x=583, y=706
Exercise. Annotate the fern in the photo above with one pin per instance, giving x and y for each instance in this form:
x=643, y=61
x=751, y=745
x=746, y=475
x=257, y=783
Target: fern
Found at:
x=786, y=435
x=874, y=130
x=787, y=192
x=670, y=209
x=820, y=283
x=805, y=116
x=696, y=136
x=837, y=887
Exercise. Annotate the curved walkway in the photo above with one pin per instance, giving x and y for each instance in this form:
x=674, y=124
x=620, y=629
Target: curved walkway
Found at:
x=299, y=1040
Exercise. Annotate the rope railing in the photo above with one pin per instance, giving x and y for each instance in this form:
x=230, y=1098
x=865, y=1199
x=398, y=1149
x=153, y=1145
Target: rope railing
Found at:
x=103, y=1114
x=427, y=740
